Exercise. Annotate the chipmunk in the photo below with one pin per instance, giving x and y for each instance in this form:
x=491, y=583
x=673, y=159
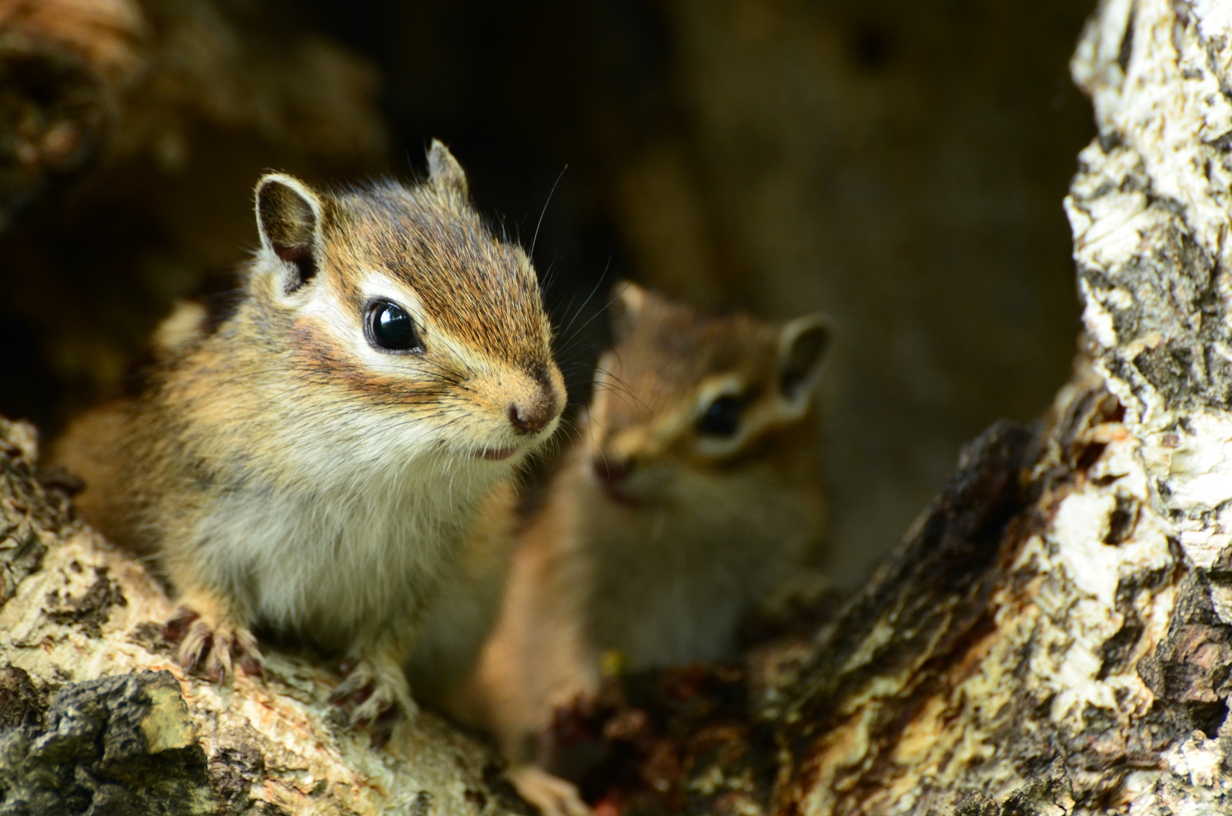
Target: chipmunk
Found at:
x=332, y=460
x=692, y=496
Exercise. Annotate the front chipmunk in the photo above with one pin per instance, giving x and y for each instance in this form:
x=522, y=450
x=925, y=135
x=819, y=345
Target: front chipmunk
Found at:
x=693, y=496
x=332, y=460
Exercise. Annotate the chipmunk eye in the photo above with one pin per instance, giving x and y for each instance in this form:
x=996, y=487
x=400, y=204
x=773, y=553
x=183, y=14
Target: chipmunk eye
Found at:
x=722, y=417
x=390, y=328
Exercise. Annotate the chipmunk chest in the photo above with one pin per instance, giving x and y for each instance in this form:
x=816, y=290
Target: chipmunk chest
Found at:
x=331, y=565
x=672, y=582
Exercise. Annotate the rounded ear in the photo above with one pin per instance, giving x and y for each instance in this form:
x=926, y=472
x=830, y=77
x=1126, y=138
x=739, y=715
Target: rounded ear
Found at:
x=444, y=172
x=626, y=308
x=803, y=344
x=289, y=217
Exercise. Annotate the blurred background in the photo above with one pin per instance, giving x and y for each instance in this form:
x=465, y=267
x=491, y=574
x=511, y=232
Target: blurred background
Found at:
x=899, y=166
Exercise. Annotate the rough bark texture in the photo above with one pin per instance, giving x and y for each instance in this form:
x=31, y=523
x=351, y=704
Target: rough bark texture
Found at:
x=128, y=82
x=131, y=135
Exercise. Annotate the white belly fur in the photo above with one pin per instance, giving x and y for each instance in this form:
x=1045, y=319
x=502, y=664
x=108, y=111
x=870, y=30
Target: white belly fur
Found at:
x=329, y=565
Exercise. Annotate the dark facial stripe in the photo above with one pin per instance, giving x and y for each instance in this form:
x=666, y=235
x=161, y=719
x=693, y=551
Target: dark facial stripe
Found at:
x=320, y=360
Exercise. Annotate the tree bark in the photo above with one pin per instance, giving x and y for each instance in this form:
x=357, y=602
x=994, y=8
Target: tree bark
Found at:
x=131, y=135
x=129, y=83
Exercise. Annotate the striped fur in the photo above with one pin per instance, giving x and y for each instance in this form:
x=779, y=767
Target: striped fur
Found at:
x=283, y=472
x=661, y=564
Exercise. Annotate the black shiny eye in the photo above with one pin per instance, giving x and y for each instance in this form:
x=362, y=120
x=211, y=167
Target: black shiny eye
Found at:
x=390, y=328
x=722, y=417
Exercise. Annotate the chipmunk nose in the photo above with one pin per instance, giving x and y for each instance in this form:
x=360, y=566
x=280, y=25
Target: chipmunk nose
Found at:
x=531, y=419
x=533, y=415
x=612, y=469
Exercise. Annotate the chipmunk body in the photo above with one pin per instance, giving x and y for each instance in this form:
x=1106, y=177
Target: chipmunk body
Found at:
x=337, y=451
x=693, y=495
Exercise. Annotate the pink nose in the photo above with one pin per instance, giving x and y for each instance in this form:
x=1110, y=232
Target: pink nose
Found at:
x=530, y=419
x=612, y=469
x=534, y=414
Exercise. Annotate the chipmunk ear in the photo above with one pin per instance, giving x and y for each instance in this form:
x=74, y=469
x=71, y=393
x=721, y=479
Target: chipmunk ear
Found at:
x=444, y=172
x=626, y=308
x=803, y=344
x=289, y=219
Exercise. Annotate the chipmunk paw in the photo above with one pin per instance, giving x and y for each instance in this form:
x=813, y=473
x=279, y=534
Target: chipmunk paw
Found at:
x=376, y=692
x=213, y=645
x=551, y=794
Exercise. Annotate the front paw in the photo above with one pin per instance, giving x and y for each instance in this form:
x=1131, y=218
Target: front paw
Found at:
x=376, y=691
x=213, y=644
x=551, y=794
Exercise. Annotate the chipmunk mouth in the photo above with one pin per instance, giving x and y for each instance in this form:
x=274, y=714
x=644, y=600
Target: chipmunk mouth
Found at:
x=620, y=495
x=496, y=454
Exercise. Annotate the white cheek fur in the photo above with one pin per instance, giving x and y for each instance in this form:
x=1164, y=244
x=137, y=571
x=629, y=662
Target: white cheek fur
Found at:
x=362, y=441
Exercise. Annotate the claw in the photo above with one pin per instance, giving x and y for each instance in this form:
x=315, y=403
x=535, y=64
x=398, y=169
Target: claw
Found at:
x=218, y=663
x=376, y=696
x=195, y=645
x=211, y=646
x=551, y=794
x=382, y=729
x=354, y=689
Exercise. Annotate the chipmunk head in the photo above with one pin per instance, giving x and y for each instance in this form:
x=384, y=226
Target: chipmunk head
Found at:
x=409, y=326
x=684, y=397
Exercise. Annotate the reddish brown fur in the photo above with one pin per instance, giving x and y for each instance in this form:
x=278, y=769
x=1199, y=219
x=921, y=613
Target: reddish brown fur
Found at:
x=662, y=569
x=426, y=239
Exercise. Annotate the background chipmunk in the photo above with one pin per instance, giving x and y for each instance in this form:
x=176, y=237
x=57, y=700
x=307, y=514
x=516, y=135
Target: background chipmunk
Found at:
x=693, y=494
x=331, y=460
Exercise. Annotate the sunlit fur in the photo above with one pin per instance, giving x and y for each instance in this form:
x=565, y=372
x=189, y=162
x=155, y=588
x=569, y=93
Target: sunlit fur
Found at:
x=703, y=528
x=280, y=467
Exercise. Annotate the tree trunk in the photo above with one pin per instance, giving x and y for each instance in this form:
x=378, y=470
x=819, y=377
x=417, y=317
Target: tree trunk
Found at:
x=1054, y=635
x=131, y=135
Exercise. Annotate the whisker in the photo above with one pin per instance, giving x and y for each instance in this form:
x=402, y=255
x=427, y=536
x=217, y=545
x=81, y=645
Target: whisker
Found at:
x=535, y=239
x=593, y=292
